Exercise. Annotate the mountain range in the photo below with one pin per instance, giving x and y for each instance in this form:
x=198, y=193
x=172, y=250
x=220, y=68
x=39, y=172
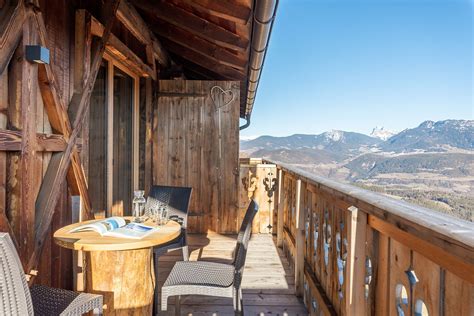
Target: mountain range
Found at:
x=436, y=158
x=429, y=136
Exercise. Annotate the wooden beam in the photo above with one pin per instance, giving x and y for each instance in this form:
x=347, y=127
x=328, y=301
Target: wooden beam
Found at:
x=194, y=24
x=133, y=21
x=219, y=54
x=205, y=61
x=12, y=141
x=200, y=70
x=58, y=166
x=232, y=10
x=122, y=53
x=30, y=173
x=11, y=33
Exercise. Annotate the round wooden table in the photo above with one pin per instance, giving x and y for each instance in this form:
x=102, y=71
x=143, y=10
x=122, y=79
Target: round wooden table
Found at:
x=120, y=269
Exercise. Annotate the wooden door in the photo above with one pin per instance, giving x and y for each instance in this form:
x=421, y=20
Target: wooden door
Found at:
x=196, y=143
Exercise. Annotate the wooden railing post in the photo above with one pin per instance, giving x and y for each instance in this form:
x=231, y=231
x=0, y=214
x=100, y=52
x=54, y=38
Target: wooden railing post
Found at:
x=355, y=265
x=299, y=240
x=280, y=199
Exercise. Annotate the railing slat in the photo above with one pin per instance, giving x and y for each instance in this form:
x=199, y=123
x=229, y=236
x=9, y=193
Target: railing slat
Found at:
x=300, y=239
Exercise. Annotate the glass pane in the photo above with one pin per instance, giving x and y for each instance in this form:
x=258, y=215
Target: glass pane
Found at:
x=123, y=143
x=98, y=142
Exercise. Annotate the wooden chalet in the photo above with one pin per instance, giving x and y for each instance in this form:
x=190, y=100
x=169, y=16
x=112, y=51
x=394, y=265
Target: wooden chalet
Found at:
x=100, y=98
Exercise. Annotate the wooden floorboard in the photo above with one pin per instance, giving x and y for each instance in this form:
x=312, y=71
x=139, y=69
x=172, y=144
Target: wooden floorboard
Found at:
x=268, y=283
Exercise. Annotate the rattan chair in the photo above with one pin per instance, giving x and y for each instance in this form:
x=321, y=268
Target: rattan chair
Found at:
x=17, y=299
x=210, y=278
x=177, y=200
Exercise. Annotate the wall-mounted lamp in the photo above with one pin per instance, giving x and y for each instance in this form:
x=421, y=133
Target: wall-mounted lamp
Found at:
x=37, y=54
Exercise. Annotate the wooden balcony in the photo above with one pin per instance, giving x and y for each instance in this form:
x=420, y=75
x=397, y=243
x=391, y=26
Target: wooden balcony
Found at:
x=355, y=252
x=268, y=283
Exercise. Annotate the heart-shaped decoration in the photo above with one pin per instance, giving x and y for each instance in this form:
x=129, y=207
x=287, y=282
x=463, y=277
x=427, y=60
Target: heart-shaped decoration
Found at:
x=221, y=98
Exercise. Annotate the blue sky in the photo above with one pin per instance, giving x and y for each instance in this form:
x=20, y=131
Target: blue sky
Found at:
x=356, y=64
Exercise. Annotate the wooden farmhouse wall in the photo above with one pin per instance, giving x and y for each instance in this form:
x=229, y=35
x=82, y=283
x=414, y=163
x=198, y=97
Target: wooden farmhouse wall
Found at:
x=44, y=116
x=22, y=114
x=195, y=140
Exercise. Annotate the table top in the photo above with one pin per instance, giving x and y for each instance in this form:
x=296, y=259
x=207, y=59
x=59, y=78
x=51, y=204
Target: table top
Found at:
x=92, y=241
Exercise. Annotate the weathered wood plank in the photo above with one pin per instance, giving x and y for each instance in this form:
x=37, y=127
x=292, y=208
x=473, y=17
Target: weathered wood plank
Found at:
x=132, y=20
x=11, y=33
x=193, y=42
x=3, y=155
x=12, y=141
x=398, y=294
x=300, y=236
x=13, y=172
x=458, y=296
x=427, y=289
x=280, y=199
x=122, y=53
x=30, y=173
x=205, y=61
x=194, y=24
x=382, y=277
x=354, y=279
x=235, y=11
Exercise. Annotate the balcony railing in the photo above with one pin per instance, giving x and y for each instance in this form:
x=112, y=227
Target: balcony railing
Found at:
x=356, y=252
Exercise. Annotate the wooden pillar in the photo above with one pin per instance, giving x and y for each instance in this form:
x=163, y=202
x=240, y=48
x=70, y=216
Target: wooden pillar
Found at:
x=355, y=266
x=280, y=199
x=31, y=175
x=299, y=240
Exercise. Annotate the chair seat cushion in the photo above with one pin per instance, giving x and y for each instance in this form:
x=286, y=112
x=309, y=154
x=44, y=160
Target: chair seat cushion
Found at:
x=201, y=273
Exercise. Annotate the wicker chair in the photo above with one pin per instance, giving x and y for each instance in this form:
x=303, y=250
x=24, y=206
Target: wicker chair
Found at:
x=177, y=199
x=17, y=299
x=210, y=278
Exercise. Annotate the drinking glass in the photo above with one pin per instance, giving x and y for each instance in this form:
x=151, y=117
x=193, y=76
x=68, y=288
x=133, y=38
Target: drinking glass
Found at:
x=138, y=205
x=164, y=214
x=156, y=214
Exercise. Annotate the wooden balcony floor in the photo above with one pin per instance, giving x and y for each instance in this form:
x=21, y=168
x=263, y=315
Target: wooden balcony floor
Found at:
x=268, y=283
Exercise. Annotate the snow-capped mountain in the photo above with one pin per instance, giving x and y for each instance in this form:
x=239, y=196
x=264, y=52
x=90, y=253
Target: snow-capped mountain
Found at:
x=382, y=133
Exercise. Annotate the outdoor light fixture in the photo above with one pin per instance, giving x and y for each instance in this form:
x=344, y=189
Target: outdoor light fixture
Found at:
x=37, y=54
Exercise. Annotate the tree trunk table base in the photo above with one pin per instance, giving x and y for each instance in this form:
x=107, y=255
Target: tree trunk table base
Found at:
x=125, y=278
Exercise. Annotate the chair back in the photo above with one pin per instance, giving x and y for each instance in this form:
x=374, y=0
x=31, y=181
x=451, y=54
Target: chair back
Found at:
x=176, y=198
x=243, y=241
x=15, y=298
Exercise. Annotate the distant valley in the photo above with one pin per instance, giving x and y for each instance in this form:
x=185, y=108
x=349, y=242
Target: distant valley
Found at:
x=431, y=165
